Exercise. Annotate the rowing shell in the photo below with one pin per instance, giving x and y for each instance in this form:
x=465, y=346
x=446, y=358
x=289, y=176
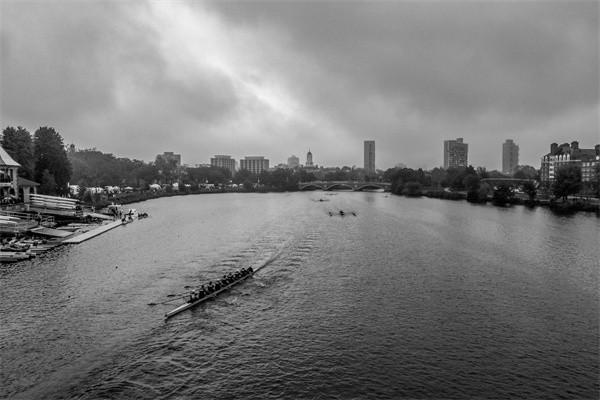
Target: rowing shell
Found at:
x=185, y=306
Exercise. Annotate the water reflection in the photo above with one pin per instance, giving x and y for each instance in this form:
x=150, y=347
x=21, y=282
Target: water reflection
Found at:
x=412, y=297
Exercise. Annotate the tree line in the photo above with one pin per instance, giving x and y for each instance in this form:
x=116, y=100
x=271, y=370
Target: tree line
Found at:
x=43, y=158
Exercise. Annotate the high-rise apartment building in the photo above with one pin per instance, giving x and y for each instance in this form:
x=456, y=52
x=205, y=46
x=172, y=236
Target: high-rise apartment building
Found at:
x=510, y=157
x=369, y=157
x=254, y=164
x=223, y=161
x=293, y=162
x=456, y=153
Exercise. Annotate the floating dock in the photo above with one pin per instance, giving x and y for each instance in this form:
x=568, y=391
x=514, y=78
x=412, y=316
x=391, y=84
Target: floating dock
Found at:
x=93, y=232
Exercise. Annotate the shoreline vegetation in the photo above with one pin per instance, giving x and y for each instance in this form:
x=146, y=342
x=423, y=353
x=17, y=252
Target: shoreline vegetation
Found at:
x=559, y=206
x=98, y=179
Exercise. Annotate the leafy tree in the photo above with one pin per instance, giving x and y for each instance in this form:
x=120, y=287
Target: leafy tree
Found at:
x=438, y=175
x=471, y=184
x=502, y=195
x=18, y=144
x=526, y=172
x=567, y=181
x=49, y=154
x=167, y=169
x=530, y=190
x=305, y=176
x=483, y=192
x=482, y=173
x=243, y=176
x=412, y=189
x=47, y=183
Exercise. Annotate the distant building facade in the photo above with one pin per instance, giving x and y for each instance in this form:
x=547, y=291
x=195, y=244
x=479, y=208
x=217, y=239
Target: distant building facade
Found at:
x=223, y=161
x=586, y=159
x=293, y=161
x=254, y=164
x=309, y=160
x=456, y=153
x=169, y=156
x=510, y=157
x=369, y=157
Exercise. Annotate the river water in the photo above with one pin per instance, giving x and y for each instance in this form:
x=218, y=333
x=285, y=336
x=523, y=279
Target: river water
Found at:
x=410, y=298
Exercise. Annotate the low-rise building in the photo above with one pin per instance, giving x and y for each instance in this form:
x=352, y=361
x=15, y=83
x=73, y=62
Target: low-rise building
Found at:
x=9, y=187
x=586, y=159
x=13, y=186
x=223, y=161
x=254, y=164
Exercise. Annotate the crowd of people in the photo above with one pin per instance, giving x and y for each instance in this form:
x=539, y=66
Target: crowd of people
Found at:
x=212, y=287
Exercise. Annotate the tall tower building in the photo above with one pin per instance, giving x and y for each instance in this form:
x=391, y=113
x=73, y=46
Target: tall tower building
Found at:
x=309, y=161
x=223, y=162
x=510, y=157
x=370, y=157
x=456, y=153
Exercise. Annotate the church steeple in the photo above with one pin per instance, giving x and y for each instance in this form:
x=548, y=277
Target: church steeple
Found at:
x=309, y=160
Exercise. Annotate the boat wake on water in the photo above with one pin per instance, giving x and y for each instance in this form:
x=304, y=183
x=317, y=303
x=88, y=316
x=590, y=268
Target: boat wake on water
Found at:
x=211, y=290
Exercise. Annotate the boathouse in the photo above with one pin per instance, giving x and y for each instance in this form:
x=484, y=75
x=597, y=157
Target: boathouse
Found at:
x=13, y=186
x=8, y=176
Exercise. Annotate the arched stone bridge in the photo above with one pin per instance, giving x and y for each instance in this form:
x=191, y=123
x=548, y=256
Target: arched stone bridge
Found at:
x=344, y=185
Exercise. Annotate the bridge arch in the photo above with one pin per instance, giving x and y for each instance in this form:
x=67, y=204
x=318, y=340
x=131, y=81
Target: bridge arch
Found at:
x=369, y=186
x=340, y=186
x=311, y=187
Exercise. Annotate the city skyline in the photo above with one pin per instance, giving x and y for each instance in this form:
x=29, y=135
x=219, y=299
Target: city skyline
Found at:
x=203, y=78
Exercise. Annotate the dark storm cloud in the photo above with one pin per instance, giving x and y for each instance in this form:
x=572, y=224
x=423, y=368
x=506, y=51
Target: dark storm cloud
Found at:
x=453, y=63
x=274, y=78
x=95, y=71
x=536, y=57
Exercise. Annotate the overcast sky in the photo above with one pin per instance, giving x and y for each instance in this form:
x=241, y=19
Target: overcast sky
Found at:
x=137, y=78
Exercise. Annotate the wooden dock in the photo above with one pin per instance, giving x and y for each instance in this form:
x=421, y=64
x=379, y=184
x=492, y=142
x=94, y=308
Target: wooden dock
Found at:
x=93, y=232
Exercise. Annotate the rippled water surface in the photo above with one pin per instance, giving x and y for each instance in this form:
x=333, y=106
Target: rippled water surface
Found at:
x=410, y=298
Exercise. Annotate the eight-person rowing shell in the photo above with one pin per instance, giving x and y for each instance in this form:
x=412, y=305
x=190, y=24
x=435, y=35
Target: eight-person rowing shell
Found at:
x=211, y=289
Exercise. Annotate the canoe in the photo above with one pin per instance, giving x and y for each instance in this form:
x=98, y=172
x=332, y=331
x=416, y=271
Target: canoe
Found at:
x=187, y=305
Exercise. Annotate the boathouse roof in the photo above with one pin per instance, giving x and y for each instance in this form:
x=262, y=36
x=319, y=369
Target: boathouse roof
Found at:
x=26, y=182
x=6, y=160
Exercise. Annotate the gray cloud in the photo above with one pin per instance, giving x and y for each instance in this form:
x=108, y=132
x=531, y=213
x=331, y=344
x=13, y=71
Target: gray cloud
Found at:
x=275, y=78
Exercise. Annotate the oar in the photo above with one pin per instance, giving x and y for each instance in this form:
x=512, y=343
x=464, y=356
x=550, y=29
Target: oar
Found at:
x=165, y=302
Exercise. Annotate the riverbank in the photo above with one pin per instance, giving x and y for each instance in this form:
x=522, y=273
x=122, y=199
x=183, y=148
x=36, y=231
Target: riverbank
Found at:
x=572, y=205
x=559, y=206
